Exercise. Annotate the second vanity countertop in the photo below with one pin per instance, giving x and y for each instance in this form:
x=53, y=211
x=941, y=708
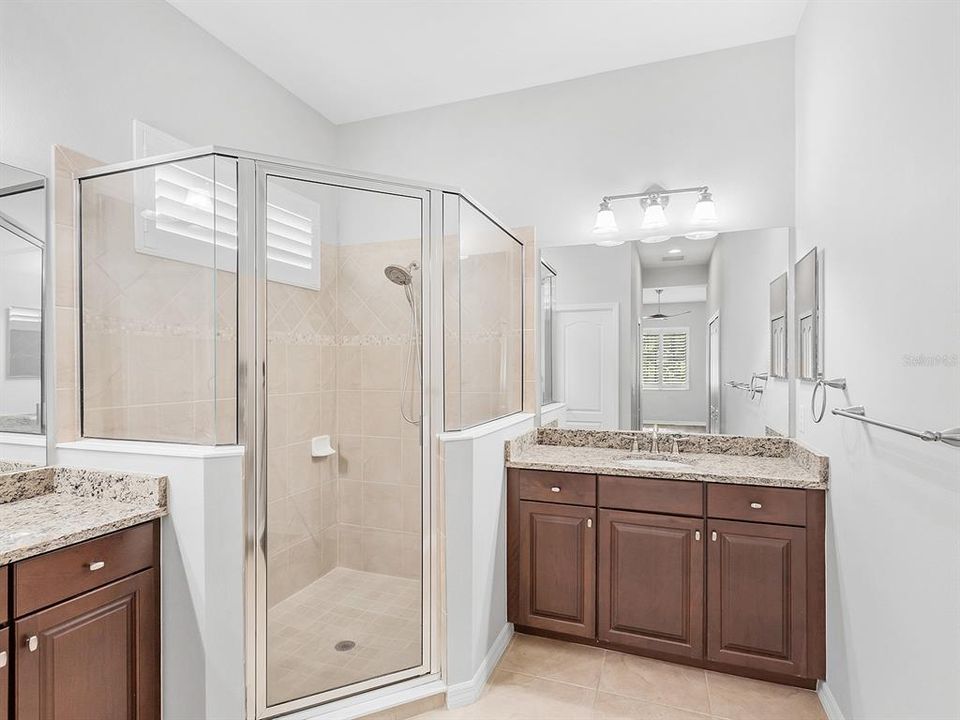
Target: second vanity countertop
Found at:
x=768, y=461
x=47, y=508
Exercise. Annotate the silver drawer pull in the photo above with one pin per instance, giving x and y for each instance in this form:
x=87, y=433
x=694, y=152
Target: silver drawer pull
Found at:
x=3, y=659
x=713, y=536
x=589, y=523
x=96, y=565
x=554, y=489
x=33, y=643
x=696, y=535
x=756, y=505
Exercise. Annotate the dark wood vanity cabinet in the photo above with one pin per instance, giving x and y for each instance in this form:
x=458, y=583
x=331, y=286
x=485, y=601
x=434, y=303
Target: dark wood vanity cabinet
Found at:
x=558, y=568
x=650, y=590
x=756, y=596
x=728, y=577
x=4, y=673
x=85, y=631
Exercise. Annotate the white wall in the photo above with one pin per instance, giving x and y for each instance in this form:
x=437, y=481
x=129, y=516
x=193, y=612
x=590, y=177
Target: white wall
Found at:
x=475, y=506
x=544, y=156
x=588, y=274
x=878, y=110
x=681, y=406
x=741, y=268
x=78, y=73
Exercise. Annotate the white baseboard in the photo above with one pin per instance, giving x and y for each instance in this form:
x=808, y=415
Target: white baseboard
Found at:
x=468, y=692
x=829, y=702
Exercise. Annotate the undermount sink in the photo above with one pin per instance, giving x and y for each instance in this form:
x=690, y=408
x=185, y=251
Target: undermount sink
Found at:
x=642, y=463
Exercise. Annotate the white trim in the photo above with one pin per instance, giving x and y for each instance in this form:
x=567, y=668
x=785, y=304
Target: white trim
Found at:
x=14, y=438
x=138, y=447
x=374, y=701
x=829, y=702
x=484, y=429
x=467, y=693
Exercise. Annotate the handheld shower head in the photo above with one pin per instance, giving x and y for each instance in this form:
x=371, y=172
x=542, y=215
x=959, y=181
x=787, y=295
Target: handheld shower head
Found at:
x=400, y=275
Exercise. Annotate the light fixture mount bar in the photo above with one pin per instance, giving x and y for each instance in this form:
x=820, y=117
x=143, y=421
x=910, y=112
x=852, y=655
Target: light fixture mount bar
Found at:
x=656, y=193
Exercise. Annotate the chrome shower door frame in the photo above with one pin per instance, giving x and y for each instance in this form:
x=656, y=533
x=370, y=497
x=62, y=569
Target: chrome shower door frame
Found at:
x=253, y=176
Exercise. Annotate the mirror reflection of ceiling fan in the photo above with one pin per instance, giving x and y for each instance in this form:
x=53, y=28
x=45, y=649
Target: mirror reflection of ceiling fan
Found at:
x=659, y=315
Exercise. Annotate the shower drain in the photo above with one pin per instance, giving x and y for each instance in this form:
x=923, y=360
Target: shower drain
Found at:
x=344, y=645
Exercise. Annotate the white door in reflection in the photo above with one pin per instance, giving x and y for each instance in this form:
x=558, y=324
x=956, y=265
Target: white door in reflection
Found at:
x=588, y=364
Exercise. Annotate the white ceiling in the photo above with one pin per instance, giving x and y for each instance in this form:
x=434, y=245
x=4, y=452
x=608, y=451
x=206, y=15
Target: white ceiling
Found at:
x=676, y=294
x=353, y=59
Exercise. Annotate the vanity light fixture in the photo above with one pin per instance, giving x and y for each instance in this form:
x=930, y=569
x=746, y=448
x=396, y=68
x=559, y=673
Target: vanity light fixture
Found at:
x=704, y=212
x=606, y=223
x=653, y=216
x=613, y=242
x=653, y=201
x=653, y=239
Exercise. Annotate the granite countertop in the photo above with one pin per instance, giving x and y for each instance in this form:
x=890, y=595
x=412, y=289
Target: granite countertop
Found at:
x=48, y=508
x=734, y=459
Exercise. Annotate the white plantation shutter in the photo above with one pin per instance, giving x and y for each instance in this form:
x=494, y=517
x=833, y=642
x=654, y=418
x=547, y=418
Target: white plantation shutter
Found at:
x=665, y=358
x=650, y=359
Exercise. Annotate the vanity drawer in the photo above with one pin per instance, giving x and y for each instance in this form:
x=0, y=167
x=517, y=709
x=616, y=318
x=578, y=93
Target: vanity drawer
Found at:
x=557, y=487
x=47, y=579
x=674, y=497
x=4, y=579
x=781, y=506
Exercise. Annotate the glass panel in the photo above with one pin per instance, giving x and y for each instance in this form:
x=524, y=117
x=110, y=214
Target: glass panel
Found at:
x=548, y=301
x=21, y=301
x=486, y=321
x=159, y=303
x=344, y=556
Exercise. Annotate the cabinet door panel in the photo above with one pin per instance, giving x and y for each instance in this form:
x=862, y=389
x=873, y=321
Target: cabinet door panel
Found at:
x=558, y=568
x=94, y=656
x=651, y=582
x=4, y=673
x=756, y=596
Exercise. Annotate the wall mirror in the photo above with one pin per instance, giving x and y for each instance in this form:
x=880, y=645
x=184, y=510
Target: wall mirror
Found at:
x=778, y=326
x=683, y=334
x=22, y=247
x=808, y=315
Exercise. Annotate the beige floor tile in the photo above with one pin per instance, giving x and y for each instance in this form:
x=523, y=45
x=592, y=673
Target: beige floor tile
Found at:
x=615, y=707
x=554, y=660
x=654, y=681
x=737, y=698
x=513, y=696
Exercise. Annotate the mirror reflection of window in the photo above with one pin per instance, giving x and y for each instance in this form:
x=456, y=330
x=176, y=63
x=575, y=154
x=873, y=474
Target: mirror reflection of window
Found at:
x=665, y=359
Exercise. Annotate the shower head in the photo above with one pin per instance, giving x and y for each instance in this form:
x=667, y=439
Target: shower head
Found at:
x=400, y=275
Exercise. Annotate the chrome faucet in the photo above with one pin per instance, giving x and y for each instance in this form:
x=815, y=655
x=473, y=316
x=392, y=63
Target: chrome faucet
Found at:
x=655, y=443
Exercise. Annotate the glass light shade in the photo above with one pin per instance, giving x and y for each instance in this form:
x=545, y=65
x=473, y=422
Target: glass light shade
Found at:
x=702, y=235
x=606, y=223
x=704, y=212
x=609, y=243
x=654, y=239
x=654, y=217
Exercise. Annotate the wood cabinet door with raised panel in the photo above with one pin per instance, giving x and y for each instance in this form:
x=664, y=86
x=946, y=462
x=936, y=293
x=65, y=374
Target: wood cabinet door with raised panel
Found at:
x=4, y=673
x=558, y=568
x=756, y=596
x=651, y=582
x=95, y=656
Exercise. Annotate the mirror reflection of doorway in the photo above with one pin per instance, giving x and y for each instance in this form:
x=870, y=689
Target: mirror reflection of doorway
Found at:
x=713, y=371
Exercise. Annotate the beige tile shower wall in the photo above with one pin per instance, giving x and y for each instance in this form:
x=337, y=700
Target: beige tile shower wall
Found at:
x=155, y=331
x=379, y=452
x=302, y=491
x=491, y=334
x=66, y=165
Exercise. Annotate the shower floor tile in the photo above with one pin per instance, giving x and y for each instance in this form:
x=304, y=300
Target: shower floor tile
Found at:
x=380, y=613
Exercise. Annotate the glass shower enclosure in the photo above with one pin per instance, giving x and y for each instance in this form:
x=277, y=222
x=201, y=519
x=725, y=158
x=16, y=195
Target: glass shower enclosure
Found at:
x=235, y=298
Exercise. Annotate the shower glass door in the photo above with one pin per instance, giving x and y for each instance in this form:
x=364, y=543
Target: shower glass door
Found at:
x=343, y=585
